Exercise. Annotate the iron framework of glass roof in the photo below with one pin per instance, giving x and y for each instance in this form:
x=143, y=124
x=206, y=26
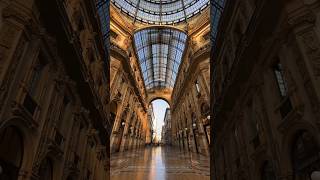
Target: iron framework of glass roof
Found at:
x=160, y=52
x=161, y=11
x=217, y=7
x=104, y=17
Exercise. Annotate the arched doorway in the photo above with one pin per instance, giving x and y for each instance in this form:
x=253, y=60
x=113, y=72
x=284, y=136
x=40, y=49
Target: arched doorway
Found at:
x=113, y=112
x=267, y=172
x=46, y=169
x=195, y=131
x=11, y=153
x=187, y=140
x=205, y=112
x=121, y=129
x=158, y=111
x=305, y=156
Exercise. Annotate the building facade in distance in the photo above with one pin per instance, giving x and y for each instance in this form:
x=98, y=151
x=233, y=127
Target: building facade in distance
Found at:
x=167, y=128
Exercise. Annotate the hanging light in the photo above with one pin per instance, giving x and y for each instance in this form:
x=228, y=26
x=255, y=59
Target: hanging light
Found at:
x=194, y=125
x=186, y=129
x=123, y=123
x=208, y=117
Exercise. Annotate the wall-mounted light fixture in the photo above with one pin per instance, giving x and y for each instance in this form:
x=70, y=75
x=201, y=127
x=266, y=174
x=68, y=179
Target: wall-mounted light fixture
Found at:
x=194, y=125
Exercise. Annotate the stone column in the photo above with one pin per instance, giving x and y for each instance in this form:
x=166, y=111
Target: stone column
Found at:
x=136, y=135
x=115, y=136
x=203, y=146
x=303, y=19
x=126, y=136
x=131, y=138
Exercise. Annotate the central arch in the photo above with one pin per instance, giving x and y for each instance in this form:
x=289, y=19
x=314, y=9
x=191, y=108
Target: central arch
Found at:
x=159, y=109
x=164, y=94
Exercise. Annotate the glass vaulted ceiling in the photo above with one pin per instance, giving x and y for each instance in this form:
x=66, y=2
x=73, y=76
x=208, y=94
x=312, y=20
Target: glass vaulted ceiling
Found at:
x=159, y=52
x=161, y=11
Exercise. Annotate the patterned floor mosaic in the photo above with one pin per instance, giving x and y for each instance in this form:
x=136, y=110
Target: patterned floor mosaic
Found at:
x=159, y=163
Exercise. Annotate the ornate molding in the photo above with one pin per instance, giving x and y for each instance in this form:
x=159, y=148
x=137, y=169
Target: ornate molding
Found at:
x=312, y=47
x=306, y=18
x=16, y=12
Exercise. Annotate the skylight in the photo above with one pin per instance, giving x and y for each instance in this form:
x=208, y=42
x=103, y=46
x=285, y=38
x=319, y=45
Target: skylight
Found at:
x=161, y=11
x=159, y=51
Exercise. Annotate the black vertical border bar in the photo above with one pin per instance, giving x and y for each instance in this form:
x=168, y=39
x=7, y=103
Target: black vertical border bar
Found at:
x=216, y=13
x=103, y=12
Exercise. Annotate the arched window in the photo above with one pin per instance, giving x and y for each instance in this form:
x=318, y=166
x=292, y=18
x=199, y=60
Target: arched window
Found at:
x=37, y=74
x=11, y=153
x=205, y=109
x=267, y=172
x=254, y=126
x=305, y=156
x=197, y=86
x=46, y=169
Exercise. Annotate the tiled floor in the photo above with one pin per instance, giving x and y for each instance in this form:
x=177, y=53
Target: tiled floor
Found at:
x=159, y=163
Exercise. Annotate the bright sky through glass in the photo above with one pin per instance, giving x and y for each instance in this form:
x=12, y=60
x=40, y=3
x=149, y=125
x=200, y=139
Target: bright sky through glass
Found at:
x=159, y=110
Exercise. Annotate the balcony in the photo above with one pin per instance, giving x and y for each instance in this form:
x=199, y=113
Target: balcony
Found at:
x=27, y=110
x=205, y=49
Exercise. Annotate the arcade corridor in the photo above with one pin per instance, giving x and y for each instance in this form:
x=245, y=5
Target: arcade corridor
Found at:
x=160, y=49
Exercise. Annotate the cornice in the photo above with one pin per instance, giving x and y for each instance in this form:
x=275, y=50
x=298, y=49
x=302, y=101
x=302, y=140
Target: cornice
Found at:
x=121, y=21
x=192, y=25
x=124, y=58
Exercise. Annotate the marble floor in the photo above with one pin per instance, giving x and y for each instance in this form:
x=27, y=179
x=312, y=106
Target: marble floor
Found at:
x=159, y=163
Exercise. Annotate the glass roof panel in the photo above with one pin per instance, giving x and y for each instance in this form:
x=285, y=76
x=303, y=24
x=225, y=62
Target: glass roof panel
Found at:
x=161, y=11
x=159, y=52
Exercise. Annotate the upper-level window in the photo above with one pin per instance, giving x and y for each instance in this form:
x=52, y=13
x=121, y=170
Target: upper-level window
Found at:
x=282, y=85
x=197, y=86
x=36, y=75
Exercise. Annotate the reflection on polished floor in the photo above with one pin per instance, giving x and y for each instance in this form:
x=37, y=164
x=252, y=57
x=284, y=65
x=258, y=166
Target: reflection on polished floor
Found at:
x=159, y=163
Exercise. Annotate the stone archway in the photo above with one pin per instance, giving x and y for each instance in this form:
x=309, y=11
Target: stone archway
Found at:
x=46, y=169
x=11, y=152
x=304, y=155
x=164, y=94
x=267, y=171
